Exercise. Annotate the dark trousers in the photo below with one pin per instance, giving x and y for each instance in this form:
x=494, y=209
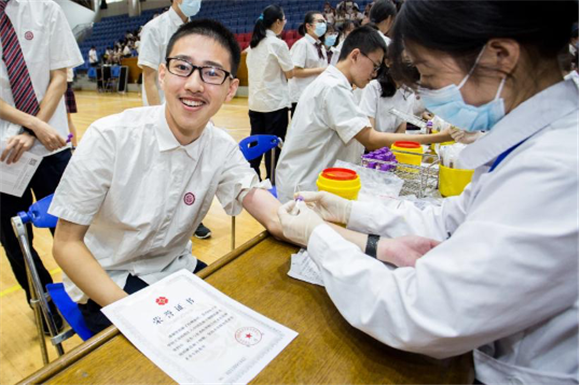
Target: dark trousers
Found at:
x=43, y=183
x=268, y=123
x=95, y=319
x=293, y=109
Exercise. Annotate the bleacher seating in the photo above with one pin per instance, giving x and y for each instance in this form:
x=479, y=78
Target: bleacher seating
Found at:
x=238, y=16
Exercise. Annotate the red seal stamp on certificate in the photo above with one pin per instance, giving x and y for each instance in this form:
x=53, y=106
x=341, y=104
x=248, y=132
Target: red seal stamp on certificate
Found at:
x=248, y=336
x=189, y=199
x=28, y=35
x=161, y=301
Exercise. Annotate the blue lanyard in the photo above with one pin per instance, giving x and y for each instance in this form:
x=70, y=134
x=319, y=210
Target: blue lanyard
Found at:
x=504, y=155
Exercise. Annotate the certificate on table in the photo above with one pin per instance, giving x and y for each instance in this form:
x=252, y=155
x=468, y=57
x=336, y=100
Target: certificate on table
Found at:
x=196, y=334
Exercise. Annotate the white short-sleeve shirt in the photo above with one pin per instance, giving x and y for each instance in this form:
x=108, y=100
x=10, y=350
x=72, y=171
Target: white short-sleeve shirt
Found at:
x=378, y=108
x=143, y=194
x=47, y=44
x=305, y=55
x=323, y=128
x=268, y=87
x=154, y=39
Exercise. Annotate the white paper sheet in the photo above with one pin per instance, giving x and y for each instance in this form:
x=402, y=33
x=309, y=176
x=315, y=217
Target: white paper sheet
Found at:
x=16, y=176
x=303, y=268
x=196, y=334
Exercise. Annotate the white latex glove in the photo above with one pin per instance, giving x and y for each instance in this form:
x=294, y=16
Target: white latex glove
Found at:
x=298, y=221
x=465, y=137
x=329, y=206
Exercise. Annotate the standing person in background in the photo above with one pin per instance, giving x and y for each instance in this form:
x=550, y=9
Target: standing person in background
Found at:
x=269, y=68
x=382, y=15
x=330, y=39
x=344, y=29
x=32, y=111
x=503, y=283
x=152, y=51
x=329, y=13
x=154, y=38
x=71, y=105
x=93, y=58
x=308, y=55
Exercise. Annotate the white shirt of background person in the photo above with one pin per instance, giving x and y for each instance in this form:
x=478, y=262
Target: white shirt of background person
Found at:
x=305, y=55
x=267, y=62
x=378, y=108
x=49, y=46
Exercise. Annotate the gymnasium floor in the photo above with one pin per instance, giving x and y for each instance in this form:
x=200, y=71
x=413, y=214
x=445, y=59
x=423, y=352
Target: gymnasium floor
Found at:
x=19, y=347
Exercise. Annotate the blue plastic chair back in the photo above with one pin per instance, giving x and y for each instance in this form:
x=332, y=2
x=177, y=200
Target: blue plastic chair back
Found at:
x=38, y=214
x=115, y=71
x=255, y=145
x=69, y=310
x=92, y=73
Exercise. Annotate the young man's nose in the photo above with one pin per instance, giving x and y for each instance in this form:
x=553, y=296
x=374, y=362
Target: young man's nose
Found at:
x=194, y=82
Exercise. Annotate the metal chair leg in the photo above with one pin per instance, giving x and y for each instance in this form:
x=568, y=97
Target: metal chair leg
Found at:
x=233, y=232
x=38, y=300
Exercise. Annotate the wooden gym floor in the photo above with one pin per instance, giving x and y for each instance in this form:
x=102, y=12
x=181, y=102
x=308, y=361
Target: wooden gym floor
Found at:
x=20, y=353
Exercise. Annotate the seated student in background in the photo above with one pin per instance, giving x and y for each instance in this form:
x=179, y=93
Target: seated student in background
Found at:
x=380, y=96
x=269, y=68
x=503, y=284
x=141, y=181
x=329, y=125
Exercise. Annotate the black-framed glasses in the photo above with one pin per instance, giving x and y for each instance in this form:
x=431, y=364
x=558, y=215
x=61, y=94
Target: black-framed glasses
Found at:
x=376, y=67
x=210, y=75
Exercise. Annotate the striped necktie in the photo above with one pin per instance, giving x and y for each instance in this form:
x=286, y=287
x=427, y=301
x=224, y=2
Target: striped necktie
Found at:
x=22, y=90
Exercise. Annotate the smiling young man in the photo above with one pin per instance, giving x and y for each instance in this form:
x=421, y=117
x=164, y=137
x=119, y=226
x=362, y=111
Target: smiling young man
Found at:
x=328, y=125
x=141, y=181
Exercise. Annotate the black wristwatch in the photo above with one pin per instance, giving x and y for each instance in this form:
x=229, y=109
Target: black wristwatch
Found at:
x=372, y=244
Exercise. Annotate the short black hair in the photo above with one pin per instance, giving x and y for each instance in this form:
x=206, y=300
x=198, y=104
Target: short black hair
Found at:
x=367, y=39
x=212, y=29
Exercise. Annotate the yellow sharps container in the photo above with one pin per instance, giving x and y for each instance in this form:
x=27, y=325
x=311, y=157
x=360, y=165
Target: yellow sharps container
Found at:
x=340, y=181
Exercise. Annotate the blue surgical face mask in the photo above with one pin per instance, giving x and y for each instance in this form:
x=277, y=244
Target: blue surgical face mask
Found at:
x=448, y=103
x=190, y=8
x=330, y=40
x=320, y=29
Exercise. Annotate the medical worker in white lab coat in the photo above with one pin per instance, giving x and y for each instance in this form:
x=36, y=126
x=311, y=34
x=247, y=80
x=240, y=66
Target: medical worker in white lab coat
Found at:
x=503, y=282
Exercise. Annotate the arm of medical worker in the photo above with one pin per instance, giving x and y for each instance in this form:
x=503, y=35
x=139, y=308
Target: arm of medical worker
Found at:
x=456, y=298
x=150, y=79
x=47, y=135
x=373, y=140
x=75, y=259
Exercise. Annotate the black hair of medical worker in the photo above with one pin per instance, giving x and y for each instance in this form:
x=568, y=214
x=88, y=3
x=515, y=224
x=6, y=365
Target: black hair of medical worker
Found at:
x=308, y=19
x=269, y=16
x=366, y=38
x=214, y=30
x=541, y=27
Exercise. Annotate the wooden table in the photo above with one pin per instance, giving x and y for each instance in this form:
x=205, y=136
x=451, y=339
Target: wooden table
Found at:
x=327, y=350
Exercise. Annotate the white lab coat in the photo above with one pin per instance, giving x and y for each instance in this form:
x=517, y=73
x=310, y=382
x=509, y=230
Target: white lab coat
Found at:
x=504, y=282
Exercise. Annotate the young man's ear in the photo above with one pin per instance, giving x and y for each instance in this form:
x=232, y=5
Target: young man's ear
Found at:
x=232, y=89
x=354, y=54
x=161, y=72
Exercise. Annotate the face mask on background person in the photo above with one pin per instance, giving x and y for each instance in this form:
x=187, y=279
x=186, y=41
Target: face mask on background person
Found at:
x=330, y=40
x=320, y=29
x=190, y=7
x=448, y=103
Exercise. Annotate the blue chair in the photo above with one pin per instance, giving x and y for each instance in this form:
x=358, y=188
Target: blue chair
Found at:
x=39, y=217
x=69, y=310
x=255, y=146
x=93, y=73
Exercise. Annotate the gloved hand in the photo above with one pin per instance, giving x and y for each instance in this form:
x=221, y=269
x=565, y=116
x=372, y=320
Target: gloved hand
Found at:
x=329, y=206
x=298, y=222
x=465, y=137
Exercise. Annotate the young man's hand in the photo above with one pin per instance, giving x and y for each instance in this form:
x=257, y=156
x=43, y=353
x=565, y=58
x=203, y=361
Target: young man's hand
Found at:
x=47, y=135
x=16, y=146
